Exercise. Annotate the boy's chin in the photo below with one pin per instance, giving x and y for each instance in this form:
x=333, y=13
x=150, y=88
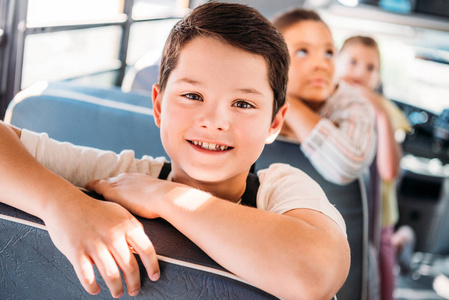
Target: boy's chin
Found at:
x=209, y=176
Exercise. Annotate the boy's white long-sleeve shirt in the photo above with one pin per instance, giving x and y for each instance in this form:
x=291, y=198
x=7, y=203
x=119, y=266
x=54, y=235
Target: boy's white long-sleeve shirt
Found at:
x=282, y=187
x=343, y=143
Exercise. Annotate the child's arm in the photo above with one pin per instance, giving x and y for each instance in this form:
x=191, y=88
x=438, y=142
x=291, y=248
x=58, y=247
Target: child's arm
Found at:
x=301, y=254
x=342, y=147
x=388, y=151
x=300, y=119
x=86, y=231
x=79, y=165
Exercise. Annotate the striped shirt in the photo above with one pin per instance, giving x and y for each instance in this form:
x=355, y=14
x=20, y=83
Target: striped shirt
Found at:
x=343, y=143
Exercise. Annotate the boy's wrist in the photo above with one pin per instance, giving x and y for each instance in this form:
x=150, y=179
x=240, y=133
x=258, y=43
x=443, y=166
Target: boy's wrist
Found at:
x=182, y=198
x=55, y=204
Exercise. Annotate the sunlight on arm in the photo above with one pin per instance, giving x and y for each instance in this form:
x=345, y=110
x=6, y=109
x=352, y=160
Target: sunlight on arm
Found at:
x=191, y=199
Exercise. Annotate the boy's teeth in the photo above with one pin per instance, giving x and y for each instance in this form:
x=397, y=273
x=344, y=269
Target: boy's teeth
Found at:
x=210, y=146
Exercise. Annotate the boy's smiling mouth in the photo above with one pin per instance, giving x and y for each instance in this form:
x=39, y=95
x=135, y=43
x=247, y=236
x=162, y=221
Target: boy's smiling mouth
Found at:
x=210, y=146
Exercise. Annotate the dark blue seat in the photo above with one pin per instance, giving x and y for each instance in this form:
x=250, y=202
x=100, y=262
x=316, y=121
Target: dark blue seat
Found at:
x=103, y=118
x=32, y=268
x=350, y=200
x=141, y=79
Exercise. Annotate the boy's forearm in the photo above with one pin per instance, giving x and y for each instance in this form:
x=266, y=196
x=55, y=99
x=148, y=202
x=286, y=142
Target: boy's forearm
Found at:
x=24, y=182
x=18, y=131
x=280, y=254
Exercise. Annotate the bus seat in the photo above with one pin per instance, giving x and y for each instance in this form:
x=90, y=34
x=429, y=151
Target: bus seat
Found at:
x=143, y=74
x=350, y=200
x=141, y=79
x=32, y=267
x=141, y=98
x=423, y=200
x=103, y=118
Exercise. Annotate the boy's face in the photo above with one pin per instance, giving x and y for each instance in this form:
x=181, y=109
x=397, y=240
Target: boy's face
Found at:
x=311, y=49
x=359, y=64
x=215, y=112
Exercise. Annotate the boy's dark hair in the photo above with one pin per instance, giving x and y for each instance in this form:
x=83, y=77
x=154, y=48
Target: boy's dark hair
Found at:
x=286, y=19
x=237, y=25
x=364, y=40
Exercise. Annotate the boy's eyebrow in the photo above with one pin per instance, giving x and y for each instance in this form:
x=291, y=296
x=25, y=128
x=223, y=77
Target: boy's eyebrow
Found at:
x=198, y=83
x=249, y=91
x=189, y=81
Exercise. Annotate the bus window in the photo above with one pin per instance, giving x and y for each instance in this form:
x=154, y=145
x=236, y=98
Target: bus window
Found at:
x=145, y=9
x=148, y=38
x=414, y=51
x=89, y=41
x=70, y=54
x=56, y=13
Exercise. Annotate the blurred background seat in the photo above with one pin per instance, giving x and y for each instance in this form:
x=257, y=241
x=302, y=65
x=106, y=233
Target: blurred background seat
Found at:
x=351, y=202
x=103, y=118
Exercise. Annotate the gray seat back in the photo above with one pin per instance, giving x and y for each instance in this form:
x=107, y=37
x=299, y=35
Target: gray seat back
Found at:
x=32, y=267
x=351, y=202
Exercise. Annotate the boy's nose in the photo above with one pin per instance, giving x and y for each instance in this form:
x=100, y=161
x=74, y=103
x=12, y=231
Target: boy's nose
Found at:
x=215, y=118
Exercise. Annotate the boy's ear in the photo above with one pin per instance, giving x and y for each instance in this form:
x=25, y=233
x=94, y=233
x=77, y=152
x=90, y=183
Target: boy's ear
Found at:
x=157, y=97
x=277, y=123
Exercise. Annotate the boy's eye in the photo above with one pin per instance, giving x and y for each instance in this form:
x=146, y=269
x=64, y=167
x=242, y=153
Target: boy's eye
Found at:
x=329, y=54
x=353, y=62
x=243, y=104
x=193, y=96
x=301, y=52
x=370, y=68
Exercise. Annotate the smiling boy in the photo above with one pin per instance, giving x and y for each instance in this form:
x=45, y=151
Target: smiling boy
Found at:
x=220, y=98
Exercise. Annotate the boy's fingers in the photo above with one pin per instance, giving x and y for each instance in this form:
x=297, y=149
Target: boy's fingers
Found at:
x=109, y=271
x=86, y=275
x=96, y=185
x=128, y=264
x=142, y=245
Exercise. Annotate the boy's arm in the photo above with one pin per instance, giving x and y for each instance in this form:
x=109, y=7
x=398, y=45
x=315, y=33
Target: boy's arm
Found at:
x=86, y=231
x=79, y=165
x=302, y=254
x=299, y=255
x=14, y=129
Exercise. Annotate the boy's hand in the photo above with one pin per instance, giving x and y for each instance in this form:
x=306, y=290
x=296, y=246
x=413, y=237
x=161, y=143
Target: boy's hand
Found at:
x=102, y=237
x=138, y=193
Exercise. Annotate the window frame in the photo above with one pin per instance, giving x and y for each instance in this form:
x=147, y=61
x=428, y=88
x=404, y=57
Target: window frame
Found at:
x=15, y=31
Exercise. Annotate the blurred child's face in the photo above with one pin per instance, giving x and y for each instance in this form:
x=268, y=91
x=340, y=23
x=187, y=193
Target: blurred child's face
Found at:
x=215, y=112
x=311, y=49
x=359, y=64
